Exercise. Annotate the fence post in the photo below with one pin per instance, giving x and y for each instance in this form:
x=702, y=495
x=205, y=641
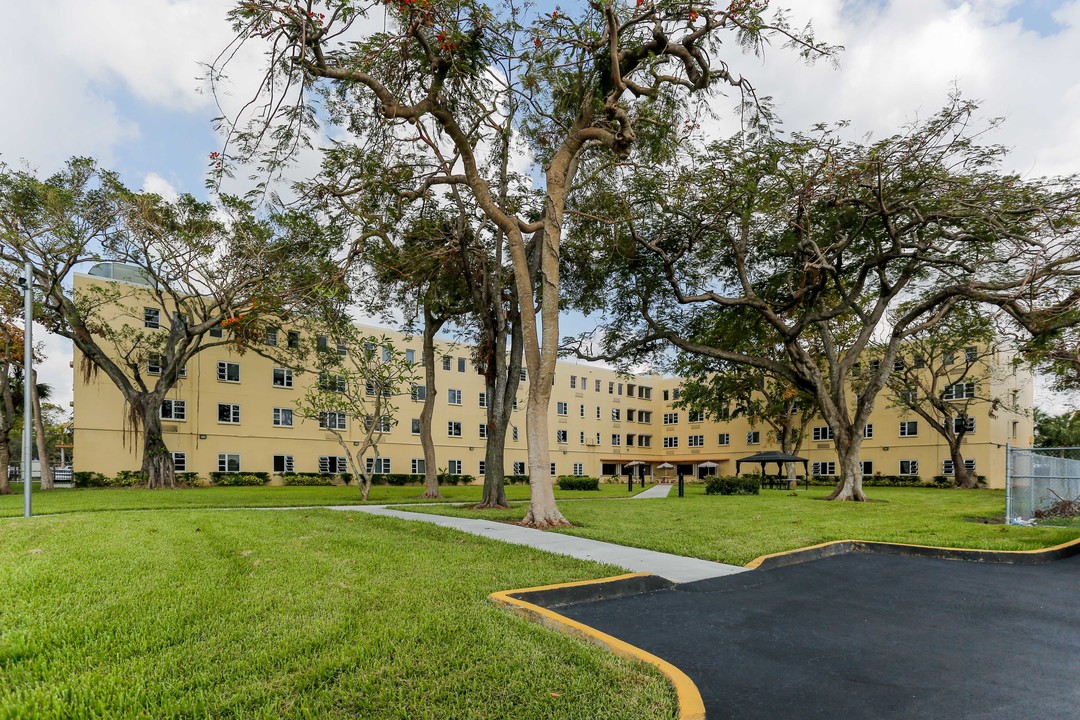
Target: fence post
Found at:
x=629, y=483
x=1008, y=482
x=682, y=485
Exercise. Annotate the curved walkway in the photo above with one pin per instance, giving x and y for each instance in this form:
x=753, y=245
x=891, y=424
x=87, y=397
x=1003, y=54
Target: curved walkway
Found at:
x=675, y=568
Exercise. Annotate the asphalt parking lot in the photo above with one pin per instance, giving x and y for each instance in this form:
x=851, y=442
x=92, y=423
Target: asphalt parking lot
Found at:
x=867, y=636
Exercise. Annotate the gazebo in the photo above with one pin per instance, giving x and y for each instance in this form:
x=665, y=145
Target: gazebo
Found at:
x=773, y=456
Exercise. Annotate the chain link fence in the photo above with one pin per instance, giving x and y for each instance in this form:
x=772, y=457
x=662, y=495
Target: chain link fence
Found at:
x=1043, y=486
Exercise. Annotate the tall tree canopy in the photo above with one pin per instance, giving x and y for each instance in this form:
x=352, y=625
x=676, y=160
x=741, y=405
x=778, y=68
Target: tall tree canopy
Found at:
x=422, y=95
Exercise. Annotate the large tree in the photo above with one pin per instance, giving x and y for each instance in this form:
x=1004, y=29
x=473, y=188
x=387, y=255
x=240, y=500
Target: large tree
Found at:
x=812, y=242
x=196, y=280
x=594, y=84
x=942, y=372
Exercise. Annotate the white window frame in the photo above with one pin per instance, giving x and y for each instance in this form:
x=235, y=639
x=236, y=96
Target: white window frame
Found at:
x=174, y=407
x=561, y=408
x=453, y=467
x=418, y=466
x=753, y=437
x=723, y=439
x=695, y=441
x=909, y=428
x=151, y=318
x=333, y=420
x=225, y=368
x=912, y=467
x=283, y=417
x=453, y=428
x=234, y=414
x=282, y=378
x=453, y=396
x=560, y=437
x=224, y=460
x=287, y=464
x=822, y=433
x=179, y=460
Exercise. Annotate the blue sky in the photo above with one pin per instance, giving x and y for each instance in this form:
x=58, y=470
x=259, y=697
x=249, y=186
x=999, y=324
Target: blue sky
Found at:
x=97, y=78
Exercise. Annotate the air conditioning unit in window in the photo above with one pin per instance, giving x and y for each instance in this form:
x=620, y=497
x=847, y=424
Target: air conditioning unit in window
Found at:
x=590, y=443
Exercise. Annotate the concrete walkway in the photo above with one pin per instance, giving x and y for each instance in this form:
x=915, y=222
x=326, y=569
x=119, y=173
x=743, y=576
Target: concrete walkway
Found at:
x=676, y=568
x=656, y=491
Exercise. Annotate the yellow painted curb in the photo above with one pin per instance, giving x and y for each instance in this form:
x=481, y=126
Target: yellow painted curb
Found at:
x=691, y=706
x=756, y=562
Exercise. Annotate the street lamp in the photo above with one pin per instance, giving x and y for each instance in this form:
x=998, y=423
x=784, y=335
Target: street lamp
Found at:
x=26, y=284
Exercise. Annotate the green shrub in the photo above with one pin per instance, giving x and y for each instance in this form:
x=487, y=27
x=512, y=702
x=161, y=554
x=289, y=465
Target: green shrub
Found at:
x=397, y=479
x=575, y=482
x=306, y=479
x=732, y=485
x=516, y=479
x=191, y=479
x=446, y=478
x=86, y=479
x=226, y=479
x=128, y=478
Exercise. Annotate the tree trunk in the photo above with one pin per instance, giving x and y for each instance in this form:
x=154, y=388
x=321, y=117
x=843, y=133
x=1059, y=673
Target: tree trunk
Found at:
x=543, y=512
x=39, y=432
x=431, y=474
x=965, y=479
x=157, y=464
x=5, y=461
x=494, y=466
x=848, y=444
x=502, y=389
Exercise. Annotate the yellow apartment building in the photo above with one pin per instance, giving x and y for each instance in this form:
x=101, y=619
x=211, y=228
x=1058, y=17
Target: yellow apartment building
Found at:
x=234, y=412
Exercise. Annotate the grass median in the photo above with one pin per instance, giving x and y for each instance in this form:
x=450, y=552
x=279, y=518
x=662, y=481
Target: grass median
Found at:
x=300, y=614
x=65, y=500
x=736, y=529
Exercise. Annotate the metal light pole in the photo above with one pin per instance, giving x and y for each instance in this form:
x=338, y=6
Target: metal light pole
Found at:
x=28, y=359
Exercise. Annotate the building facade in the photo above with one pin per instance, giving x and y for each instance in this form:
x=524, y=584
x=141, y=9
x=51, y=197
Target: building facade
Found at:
x=235, y=412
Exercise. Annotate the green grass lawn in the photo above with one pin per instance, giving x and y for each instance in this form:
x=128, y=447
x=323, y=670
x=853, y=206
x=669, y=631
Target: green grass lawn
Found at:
x=300, y=614
x=736, y=529
x=92, y=499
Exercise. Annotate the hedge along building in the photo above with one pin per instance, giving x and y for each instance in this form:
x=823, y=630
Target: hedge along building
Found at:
x=235, y=412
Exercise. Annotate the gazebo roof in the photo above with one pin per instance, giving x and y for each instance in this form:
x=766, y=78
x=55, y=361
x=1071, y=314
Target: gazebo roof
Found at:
x=771, y=456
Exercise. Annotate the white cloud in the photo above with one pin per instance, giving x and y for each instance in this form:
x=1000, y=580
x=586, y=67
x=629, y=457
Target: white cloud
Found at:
x=154, y=183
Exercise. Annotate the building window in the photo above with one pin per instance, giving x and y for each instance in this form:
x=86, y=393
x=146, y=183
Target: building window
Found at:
x=723, y=439
x=560, y=436
x=519, y=468
x=514, y=404
x=216, y=332
x=293, y=340
x=560, y=408
x=383, y=425
x=959, y=391
x=823, y=468
x=410, y=356
x=179, y=462
x=283, y=417
x=597, y=386
x=645, y=416
x=332, y=464
x=971, y=354
x=482, y=468
x=695, y=416
x=453, y=428
x=909, y=467
x=947, y=466
x=619, y=390
x=671, y=418
x=282, y=377
x=418, y=393
x=573, y=382
x=823, y=432
x=671, y=442
x=151, y=318
x=695, y=441
x=644, y=440
x=418, y=466
x=875, y=366
x=228, y=413
x=447, y=362
x=579, y=469
x=909, y=396
x=453, y=397
x=483, y=399
x=378, y=466
x=948, y=358
x=153, y=364
x=523, y=374
x=332, y=421
x=283, y=463
x=228, y=372
x=909, y=428
x=581, y=410
x=616, y=414
x=867, y=467
x=964, y=425
x=514, y=433
x=228, y=462
x=611, y=388
x=598, y=415
x=461, y=364
x=616, y=440
x=483, y=431
x=868, y=430
x=173, y=410
x=271, y=340
x=454, y=467
x=328, y=382
x=753, y=437
x=552, y=469
x=414, y=425
x=667, y=396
